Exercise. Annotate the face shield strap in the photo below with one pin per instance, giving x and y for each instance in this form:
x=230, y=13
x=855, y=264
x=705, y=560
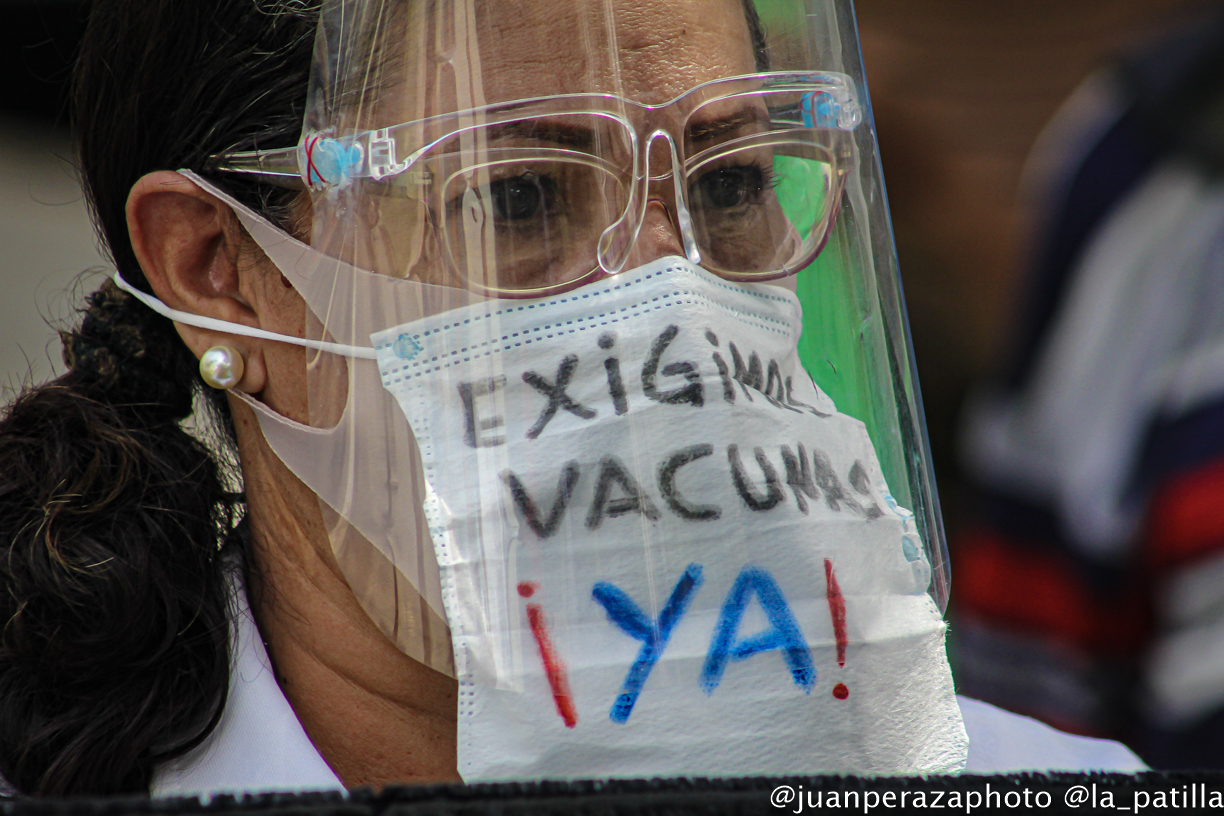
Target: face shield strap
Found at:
x=341, y=291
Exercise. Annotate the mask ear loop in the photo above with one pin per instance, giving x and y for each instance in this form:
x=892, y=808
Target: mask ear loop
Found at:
x=213, y=324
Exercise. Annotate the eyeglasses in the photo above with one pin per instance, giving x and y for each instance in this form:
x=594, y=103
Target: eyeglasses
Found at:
x=532, y=197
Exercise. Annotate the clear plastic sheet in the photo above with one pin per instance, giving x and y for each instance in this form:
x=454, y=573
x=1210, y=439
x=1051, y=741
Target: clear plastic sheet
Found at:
x=642, y=412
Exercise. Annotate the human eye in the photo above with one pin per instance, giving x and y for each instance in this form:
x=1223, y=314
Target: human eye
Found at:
x=732, y=186
x=522, y=197
x=514, y=197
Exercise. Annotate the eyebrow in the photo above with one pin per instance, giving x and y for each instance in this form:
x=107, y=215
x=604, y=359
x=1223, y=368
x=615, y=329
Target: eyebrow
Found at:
x=714, y=128
x=574, y=136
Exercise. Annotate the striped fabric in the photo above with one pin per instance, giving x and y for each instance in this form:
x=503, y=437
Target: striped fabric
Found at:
x=1089, y=586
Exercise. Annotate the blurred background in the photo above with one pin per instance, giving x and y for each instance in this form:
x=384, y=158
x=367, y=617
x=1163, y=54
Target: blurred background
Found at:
x=1052, y=169
x=961, y=91
x=45, y=233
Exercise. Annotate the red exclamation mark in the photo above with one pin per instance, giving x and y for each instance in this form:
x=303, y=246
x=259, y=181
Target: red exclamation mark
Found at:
x=554, y=669
x=837, y=610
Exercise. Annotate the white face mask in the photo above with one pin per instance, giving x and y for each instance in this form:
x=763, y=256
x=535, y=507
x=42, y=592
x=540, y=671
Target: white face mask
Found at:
x=660, y=549
x=663, y=552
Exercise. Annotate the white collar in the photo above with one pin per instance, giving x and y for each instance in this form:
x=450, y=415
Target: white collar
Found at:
x=258, y=745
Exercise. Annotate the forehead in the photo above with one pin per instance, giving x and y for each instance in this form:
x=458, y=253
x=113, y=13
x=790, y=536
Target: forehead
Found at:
x=438, y=56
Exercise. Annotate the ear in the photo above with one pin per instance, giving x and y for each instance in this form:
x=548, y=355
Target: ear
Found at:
x=182, y=237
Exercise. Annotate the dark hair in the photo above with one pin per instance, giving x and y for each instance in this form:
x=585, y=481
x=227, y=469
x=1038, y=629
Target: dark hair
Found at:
x=757, y=35
x=114, y=654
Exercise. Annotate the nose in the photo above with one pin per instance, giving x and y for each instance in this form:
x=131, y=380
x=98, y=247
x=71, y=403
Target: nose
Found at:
x=660, y=233
x=658, y=236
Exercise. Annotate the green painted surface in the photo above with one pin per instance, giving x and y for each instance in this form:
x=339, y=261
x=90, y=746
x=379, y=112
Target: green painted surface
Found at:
x=837, y=349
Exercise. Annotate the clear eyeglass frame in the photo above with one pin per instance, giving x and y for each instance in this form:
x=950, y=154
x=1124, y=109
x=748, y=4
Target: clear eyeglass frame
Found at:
x=533, y=197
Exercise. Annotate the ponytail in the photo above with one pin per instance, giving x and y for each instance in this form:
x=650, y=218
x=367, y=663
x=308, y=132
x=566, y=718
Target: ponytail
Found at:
x=114, y=655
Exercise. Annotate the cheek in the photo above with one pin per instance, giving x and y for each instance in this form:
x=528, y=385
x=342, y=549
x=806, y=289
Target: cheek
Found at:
x=279, y=306
x=286, y=389
x=280, y=310
x=305, y=385
x=396, y=237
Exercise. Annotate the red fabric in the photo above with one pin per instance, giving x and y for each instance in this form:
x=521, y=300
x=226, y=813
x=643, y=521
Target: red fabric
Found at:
x=1026, y=589
x=1186, y=517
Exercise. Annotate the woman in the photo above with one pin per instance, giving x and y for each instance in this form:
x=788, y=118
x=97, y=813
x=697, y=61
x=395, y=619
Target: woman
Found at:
x=543, y=561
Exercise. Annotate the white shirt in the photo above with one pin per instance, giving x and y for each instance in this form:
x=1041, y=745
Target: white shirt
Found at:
x=259, y=745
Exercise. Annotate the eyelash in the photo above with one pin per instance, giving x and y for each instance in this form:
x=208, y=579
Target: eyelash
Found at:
x=769, y=179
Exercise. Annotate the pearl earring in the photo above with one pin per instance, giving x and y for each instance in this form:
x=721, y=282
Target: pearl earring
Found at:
x=221, y=367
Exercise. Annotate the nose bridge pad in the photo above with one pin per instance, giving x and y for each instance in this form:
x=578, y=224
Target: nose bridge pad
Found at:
x=660, y=172
x=683, y=219
x=616, y=242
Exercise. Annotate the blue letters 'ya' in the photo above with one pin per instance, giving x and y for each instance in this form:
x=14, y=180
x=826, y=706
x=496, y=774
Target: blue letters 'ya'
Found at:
x=783, y=632
x=623, y=612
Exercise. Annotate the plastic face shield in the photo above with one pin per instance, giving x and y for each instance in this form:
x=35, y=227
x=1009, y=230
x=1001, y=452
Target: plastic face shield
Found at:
x=628, y=279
